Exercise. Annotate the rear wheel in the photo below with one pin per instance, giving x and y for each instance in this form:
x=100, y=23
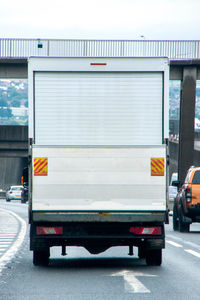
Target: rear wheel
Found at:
x=175, y=218
x=41, y=258
x=154, y=257
x=183, y=226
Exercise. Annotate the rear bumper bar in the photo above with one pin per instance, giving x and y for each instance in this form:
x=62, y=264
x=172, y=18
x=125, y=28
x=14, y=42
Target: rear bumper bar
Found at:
x=98, y=216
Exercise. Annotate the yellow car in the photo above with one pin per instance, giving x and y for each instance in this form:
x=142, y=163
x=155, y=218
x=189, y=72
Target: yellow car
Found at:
x=186, y=208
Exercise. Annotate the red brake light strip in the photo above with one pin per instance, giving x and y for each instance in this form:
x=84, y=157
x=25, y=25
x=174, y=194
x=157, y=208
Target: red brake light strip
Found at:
x=98, y=64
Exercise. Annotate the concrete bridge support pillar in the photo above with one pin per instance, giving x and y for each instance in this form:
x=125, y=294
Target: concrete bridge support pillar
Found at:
x=187, y=114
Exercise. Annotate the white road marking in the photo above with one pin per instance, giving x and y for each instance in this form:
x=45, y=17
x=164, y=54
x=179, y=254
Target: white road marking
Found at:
x=6, y=238
x=192, y=244
x=131, y=283
x=5, y=242
x=8, y=234
x=8, y=255
x=197, y=254
x=184, y=241
x=174, y=237
x=193, y=252
x=174, y=244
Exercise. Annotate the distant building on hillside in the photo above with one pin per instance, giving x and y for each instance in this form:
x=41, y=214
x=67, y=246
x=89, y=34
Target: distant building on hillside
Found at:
x=19, y=111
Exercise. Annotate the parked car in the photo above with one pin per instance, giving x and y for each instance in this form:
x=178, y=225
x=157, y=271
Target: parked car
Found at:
x=14, y=192
x=172, y=190
x=187, y=202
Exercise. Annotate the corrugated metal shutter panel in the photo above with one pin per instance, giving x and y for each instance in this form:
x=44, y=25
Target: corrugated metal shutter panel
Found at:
x=98, y=109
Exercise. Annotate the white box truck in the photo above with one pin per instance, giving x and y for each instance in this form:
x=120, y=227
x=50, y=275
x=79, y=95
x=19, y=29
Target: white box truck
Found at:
x=98, y=130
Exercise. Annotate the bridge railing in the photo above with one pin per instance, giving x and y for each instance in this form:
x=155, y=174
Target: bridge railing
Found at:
x=174, y=49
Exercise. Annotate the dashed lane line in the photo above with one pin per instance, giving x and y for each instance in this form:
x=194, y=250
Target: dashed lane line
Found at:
x=197, y=254
x=174, y=243
x=9, y=254
x=181, y=240
x=193, y=252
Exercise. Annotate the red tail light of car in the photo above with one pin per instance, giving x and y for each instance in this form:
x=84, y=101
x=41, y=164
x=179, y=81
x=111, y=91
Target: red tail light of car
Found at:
x=188, y=194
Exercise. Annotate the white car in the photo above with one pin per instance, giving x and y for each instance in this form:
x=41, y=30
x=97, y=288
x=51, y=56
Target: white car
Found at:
x=172, y=190
x=14, y=192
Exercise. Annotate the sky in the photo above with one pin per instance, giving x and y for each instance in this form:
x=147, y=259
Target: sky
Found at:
x=103, y=19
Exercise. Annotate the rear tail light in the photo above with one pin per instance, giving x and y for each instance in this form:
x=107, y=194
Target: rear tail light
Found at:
x=10, y=192
x=146, y=230
x=40, y=230
x=188, y=194
x=98, y=64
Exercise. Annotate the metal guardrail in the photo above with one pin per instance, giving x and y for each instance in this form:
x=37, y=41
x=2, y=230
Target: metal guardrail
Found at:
x=174, y=49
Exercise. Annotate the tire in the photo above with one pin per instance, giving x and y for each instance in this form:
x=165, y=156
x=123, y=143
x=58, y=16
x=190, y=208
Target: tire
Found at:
x=183, y=226
x=41, y=258
x=7, y=200
x=141, y=252
x=175, y=218
x=154, y=257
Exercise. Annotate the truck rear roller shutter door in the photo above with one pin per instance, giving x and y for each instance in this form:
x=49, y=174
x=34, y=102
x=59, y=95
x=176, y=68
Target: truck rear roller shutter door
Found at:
x=99, y=109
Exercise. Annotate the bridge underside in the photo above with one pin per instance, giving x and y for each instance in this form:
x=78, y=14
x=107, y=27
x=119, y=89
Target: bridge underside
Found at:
x=13, y=154
x=13, y=68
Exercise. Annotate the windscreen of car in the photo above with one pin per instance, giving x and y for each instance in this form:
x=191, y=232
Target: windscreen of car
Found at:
x=196, y=178
x=17, y=188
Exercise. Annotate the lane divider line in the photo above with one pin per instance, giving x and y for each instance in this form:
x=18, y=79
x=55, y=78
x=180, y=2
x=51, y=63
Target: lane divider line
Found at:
x=183, y=241
x=9, y=254
x=174, y=244
x=193, y=252
x=186, y=250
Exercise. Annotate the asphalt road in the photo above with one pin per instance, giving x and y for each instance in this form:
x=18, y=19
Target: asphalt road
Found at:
x=110, y=275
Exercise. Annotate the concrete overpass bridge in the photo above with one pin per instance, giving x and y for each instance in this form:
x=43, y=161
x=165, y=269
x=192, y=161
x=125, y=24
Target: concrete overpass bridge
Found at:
x=184, y=59
x=13, y=154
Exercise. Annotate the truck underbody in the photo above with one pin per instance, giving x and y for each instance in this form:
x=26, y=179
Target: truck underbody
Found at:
x=97, y=237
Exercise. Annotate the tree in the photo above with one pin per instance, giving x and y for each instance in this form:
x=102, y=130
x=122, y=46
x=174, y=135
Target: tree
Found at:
x=5, y=113
x=3, y=103
x=15, y=103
